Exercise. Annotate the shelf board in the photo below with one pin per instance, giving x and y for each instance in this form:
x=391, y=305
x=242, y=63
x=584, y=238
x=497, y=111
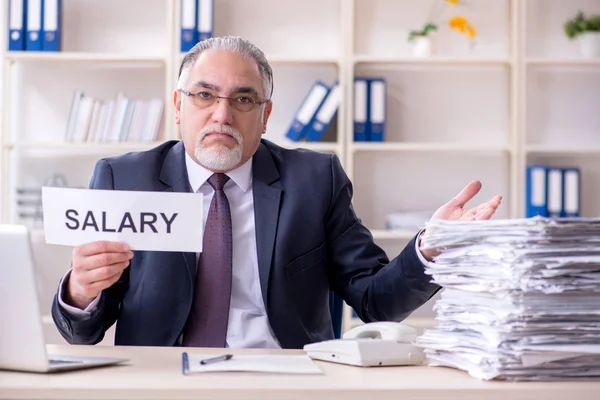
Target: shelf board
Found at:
x=127, y=146
x=562, y=150
x=316, y=146
x=393, y=234
x=99, y=147
x=564, y=61
x=433, y=147
x=81, y=57
x=295, y=59
x=367, y=58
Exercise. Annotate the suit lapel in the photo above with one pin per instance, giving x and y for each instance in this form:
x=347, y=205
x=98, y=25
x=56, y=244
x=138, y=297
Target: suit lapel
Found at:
x=267, y=199
x=174, y=175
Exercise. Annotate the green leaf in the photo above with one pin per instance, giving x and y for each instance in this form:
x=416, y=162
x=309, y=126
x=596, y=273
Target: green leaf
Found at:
x=427, y=28
x=581, y=24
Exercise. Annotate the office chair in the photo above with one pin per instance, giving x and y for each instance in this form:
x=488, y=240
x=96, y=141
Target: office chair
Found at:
x=336, y=307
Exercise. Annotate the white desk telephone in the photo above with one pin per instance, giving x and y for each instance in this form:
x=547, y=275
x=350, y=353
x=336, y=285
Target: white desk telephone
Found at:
x=371, y=344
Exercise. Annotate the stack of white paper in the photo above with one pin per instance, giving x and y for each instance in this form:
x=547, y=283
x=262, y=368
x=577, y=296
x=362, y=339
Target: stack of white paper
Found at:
x=522, y=298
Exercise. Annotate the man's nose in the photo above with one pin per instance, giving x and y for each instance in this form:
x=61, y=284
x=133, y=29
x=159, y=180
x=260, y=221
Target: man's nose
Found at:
x=223, y=112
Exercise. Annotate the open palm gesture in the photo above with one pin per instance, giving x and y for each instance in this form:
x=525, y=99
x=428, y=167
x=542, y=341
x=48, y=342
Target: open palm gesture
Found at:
x=455, y=210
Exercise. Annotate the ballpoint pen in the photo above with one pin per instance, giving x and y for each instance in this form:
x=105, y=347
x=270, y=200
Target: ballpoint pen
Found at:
x=224, y=357
x=185, y=363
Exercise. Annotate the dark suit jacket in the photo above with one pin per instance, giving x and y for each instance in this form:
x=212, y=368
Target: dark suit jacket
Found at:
x=309, y=242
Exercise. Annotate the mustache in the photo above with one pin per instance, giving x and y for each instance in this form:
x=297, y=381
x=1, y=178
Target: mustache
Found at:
x=226, y=129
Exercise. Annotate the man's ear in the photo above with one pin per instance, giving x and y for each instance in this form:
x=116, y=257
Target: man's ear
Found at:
x=266, y=115
x=177, y=104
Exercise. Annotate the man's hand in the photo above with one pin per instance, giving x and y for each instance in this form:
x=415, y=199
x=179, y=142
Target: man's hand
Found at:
x=454, y=210
x=96, y=266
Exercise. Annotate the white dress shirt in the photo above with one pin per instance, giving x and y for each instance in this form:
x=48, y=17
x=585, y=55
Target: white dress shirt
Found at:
x=248, y=324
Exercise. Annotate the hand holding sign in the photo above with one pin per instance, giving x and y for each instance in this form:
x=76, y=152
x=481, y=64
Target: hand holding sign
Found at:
x=105, y=225
x=96, y=266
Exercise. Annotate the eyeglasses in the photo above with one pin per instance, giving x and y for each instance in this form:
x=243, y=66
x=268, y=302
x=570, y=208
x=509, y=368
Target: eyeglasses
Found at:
x=206, y=98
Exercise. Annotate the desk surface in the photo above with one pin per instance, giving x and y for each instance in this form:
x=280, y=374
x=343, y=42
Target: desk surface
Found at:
x=155, y=373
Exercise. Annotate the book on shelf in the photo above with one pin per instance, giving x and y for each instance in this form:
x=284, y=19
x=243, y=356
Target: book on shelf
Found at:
x=197, y=18
x=34, y=25
x=315, y=112
x=360, y=110
x=324, y=115
x=369, y=109
x=553, y=191
x=121, y=119
x=29, y=210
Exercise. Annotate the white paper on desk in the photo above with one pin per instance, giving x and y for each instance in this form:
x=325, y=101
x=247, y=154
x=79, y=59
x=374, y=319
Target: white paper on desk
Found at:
x=268, y=363
x=159, y=221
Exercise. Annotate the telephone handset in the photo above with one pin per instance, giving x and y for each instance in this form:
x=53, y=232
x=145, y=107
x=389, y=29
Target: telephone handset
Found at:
x=371, y=344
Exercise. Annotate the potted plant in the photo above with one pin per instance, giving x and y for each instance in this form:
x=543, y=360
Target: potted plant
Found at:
x=587, y=31
x=421, y=39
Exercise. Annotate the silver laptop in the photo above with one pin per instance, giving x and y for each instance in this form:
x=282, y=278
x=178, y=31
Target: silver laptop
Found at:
x=22, y=342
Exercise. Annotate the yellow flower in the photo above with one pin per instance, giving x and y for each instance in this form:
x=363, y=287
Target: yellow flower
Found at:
x=463, y=26
x=453, y=2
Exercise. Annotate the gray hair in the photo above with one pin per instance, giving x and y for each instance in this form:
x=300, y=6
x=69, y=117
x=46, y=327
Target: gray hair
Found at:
x=228, y=43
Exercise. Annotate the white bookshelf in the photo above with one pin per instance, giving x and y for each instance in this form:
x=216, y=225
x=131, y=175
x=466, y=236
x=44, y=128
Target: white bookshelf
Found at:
x=448, y=116
x=521, y=95
x=388, y=234
x=443, y=60
x=78, y=57
x=561, y=150
x=430, y=147
x=561, y=90
x=562, y=62
x=84, y=146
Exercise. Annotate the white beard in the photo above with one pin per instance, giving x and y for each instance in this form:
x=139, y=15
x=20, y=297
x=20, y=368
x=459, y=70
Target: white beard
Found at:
x=219, y=157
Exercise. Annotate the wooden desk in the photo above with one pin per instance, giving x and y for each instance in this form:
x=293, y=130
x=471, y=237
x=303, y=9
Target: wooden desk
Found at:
x=155, y=373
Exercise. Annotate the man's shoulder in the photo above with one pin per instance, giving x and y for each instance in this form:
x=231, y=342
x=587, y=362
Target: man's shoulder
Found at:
x=154, y=155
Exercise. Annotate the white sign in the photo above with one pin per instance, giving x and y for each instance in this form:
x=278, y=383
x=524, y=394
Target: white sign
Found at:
x=161, y=221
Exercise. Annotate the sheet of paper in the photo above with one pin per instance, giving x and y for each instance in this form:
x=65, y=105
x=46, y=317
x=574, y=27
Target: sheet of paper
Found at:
x=158, y=221
x=268, y=363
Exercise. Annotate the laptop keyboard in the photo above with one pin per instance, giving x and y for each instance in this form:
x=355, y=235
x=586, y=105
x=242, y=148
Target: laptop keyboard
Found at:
x=63, y=362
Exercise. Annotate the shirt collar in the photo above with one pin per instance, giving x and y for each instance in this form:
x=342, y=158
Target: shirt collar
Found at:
x=198, y=175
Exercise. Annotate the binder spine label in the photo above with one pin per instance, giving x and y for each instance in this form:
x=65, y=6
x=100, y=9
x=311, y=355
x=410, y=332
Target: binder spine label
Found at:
x=16, y=25
x=311, y=104
x=205, y=19
x=360, y=110
x=50, y=15
x=377, y=110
